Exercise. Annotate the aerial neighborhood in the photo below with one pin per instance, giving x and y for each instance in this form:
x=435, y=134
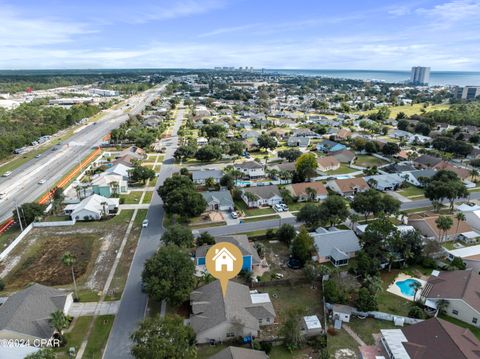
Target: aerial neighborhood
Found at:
x=355, y=206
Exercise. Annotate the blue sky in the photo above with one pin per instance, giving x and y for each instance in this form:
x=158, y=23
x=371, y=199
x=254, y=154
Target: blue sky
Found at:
x=366, y=34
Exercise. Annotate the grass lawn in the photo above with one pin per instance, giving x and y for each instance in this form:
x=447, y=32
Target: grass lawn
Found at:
x=341, y=340
x=411, y=191
x=366, y=327
x=87, y=295
x=98, y=337
x=409, y=110
x=8, y=236
x=257, y=219
x=252, y=211
x=369, y=161
x=75, y=336
x=343, y=169
x=132, y=197
x=148, y=197
x=474, y=330
x=391, y=303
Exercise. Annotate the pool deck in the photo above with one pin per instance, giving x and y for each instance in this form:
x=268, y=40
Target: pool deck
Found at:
x=394, y=289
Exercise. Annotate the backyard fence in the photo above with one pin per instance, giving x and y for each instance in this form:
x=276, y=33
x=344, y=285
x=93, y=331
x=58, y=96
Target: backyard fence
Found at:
x=53, y=224
x=15, y=242
x=280, y=282
x=380, y=315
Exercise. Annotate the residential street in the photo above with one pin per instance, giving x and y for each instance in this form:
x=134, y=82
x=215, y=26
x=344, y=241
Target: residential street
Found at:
x=134, y=301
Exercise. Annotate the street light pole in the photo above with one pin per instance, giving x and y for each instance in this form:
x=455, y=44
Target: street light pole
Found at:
x=18, y=215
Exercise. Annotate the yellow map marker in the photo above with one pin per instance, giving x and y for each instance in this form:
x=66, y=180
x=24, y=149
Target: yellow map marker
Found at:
x=224, y=261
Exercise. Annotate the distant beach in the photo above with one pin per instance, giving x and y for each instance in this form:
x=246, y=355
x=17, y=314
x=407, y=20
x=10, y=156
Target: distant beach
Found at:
x=460, y=78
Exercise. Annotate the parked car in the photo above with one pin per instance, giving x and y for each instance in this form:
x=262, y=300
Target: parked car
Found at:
x=42, y=181
x=234, y=215
x=145, y=223
x=38, y=156
x=284, y=207
x=6, y=174
x=278, y=208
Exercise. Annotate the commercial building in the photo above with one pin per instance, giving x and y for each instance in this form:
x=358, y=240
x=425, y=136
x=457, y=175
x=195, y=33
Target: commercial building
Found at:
x=420, y=75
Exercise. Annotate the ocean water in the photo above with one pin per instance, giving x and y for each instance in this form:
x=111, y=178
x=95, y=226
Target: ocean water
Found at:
x=460, y=78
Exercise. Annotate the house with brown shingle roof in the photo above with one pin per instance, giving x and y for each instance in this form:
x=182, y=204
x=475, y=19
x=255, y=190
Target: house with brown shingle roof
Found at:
x=461, y=172
x=328, y=163
x=430, y=339
x=427, y=226
x=461, y=289
x=348, y=186
x=300, y=190
x=343, y=134
x=344, y=156
x=426, y=161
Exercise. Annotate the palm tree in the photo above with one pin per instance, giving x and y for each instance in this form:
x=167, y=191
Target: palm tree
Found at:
x=311, y=193
x=59, y=321
x=210, y=182
x=251, y=197
x=114, y=186
x=354, y=218
x=69, y=260
x=416, y=285
x=78, y=191
x=444, y=223
x=442, y=306
x=273, y=173
x=474, y=173
x=460, y=217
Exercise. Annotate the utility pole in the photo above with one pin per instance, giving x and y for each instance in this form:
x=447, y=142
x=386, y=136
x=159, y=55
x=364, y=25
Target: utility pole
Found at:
x=18, y=216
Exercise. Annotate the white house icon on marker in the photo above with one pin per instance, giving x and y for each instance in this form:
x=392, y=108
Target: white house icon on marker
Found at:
x=222, y=258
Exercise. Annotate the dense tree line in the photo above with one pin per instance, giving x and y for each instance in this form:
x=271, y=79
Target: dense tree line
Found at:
x=29, y=121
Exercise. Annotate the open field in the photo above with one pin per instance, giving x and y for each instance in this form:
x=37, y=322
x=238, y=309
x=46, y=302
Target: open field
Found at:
x=38, y=257
x=409, y=110
x=369, y=161
x=343, y=169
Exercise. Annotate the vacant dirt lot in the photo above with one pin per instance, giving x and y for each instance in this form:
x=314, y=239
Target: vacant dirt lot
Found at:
x=38, y=258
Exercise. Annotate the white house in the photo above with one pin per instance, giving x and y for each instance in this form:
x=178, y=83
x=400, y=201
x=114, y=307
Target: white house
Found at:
x=92, y=208
x=250, y=169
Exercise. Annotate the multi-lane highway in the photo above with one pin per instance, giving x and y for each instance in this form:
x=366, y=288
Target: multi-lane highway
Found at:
x=23, y=184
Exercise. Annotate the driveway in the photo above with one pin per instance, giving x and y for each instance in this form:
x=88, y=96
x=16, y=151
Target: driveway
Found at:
x=93, y=308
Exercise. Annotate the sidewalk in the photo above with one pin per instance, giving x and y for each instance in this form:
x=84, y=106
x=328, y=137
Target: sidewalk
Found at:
x=93, y=308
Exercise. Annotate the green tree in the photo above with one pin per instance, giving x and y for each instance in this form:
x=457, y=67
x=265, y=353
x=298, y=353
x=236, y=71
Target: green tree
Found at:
x=169, y=275
x=209, y=153
x=286, y=233
x=302, y=246
x=366, y=302
x=390, y=149
x=205, y=238
x=164, y=338
x=291, y=329
x=290, y=155
x=444, y=223
x=28, y=213
x=59, y=321
x=141, y=174
x=179, y=235
x=227, y=180
x=310, y=214
x=266, y=141
x=185, y=202
x=306, y=165
x=333, y=210
x=69, y=260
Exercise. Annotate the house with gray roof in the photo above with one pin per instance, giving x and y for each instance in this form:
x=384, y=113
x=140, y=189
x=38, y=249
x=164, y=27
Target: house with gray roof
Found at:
x=240, y=313
x=218, y=200
x=26, y=314
x=239, y=353
x=251, y=259
x=336, y=246
x=261, y=196
x=386, y=182
x=200, y=176
x=415, y=177
x=298, y=141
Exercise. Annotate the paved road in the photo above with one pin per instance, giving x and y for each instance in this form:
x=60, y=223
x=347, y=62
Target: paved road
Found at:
x=421, y=203
x=248, y=227
x=133, y=303
x=22, y=185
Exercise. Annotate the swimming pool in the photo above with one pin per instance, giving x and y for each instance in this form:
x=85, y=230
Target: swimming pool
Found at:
x=407, y=286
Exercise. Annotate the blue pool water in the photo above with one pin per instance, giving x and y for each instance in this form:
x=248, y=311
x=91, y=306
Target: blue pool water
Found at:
x=406, y=286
